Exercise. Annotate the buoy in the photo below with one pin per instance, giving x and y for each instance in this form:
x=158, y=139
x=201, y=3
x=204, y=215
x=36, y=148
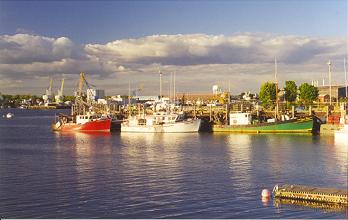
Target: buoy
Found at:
x=265, y=193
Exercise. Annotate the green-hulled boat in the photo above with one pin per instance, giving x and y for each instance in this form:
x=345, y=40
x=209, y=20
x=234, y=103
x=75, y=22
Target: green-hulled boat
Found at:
x=310, y=125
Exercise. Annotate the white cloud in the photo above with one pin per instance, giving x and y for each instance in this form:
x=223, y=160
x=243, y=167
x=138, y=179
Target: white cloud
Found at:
x=25, y=48
x=244, y=59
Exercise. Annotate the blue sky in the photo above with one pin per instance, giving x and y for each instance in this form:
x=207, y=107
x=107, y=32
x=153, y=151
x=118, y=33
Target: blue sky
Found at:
x=212, y=42
x=103, y=21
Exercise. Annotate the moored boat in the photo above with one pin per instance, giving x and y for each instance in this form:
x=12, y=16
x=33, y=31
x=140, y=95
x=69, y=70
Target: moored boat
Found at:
x=160, y=122
x=88, y=122
x=83, y=117
x=307, y=125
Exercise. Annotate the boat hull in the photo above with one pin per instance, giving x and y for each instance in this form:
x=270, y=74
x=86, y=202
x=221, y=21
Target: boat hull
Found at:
x=298, y=126
x=98, y=125
x=178, y=127
x=341, y=136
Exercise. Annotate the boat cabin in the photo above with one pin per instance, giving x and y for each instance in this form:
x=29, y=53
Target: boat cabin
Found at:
x=81, y=119
x=240, y=118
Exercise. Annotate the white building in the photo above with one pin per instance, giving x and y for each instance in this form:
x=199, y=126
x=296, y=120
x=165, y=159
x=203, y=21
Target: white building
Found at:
x=216, y=90
x=95, y=94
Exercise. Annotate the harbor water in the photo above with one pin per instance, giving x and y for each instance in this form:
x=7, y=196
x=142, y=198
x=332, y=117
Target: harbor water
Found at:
x=44, y=174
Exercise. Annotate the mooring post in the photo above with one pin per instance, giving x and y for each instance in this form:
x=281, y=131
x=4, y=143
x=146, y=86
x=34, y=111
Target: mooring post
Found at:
x=227, y=113
x=210, y=113
x=293, y=112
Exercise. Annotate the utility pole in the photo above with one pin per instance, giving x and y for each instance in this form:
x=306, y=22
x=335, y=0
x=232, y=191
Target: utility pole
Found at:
x=345, y=77
x=160, y=73
x=129, y=94
x=276, y=83
x=329, y=64
x=174, y=88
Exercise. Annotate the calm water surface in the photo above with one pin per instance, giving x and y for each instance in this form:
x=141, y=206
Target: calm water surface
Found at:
x=52, y=175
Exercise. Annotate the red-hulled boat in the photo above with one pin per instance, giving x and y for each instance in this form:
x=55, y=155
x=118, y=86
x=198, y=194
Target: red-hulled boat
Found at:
x=88, y=122
x=83, y=117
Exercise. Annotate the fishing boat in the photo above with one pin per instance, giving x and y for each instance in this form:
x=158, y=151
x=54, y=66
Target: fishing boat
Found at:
x=242, y=123
x=87, y=122
x=83, y=117
x=160, y=122
x=342, y=133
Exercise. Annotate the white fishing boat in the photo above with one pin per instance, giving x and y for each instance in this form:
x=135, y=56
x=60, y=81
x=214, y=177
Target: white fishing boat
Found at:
x=342, y=134
x=160, y=122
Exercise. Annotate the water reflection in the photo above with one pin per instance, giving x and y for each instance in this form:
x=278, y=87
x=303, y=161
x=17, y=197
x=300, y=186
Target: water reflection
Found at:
x=239, y=151
x=328, y=207
x=83, y=148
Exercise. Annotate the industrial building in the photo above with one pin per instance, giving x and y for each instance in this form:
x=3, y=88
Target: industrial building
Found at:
x=336, y=91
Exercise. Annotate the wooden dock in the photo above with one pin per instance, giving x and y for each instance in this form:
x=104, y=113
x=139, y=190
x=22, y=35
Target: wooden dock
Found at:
x=309, y=193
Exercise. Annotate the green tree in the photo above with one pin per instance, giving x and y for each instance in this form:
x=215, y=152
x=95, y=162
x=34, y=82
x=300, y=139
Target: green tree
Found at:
x=268, y=94
x=308, y=93
x=290, y=91
x=69, y=98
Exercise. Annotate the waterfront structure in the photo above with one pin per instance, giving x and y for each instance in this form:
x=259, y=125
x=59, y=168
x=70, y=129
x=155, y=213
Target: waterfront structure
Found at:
x=59, y=97
x=308, y=193
x=95, y=94
x=337, y=92
x=48, y=96
x=216, y=90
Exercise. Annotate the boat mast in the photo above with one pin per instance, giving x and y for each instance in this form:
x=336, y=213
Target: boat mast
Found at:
x=276, y=84
x=160, y=73
x=170, y=87
x=329, y=64
x=174, y=87
x=345, y=77
x=129, y=94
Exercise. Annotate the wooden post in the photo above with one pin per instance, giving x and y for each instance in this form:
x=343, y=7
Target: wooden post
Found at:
x=194, y=111
x=227, y=113
x=310, y=110
x=293, y=112
x=210, y=113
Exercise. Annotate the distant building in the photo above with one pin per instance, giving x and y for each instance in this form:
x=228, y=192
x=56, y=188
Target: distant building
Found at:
x=146, y=98
x=95, y=94
x=216, y=90
x=337, y=92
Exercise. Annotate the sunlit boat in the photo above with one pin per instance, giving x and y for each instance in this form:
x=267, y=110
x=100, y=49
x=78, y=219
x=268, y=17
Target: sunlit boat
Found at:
x=342, y=134
x=80, y=118
x=160, y=122
x=88, y=122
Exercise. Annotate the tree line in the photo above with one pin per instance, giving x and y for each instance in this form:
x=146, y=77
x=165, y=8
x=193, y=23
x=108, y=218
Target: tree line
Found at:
x=305, y=94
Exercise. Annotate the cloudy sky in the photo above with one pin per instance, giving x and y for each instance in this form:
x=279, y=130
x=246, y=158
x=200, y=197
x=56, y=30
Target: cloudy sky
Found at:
x=205, y=42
